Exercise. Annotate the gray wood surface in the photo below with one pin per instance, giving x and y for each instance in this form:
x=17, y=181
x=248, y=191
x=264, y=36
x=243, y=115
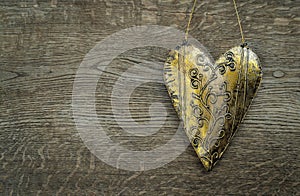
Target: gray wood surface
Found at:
x=44, y=42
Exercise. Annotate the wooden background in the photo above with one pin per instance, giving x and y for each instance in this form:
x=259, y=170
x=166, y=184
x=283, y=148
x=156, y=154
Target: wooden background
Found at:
x=44, y=42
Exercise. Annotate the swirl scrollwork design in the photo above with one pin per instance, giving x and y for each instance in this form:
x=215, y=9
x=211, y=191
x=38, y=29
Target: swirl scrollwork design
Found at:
x=196, y=78
x=197, y=140
x=209, y=96
x=229, y=63
x=198, y=114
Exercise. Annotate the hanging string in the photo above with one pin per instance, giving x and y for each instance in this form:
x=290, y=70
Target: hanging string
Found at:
x=190, y=20
x=239, y=22
x=237, y=15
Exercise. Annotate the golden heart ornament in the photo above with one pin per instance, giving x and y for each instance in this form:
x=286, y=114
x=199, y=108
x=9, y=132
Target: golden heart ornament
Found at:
x=211, y=98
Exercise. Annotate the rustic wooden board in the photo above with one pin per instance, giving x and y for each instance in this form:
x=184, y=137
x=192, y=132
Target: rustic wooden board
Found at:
x=44, y=42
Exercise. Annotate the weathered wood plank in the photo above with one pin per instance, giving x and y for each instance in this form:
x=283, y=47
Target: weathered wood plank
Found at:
x=42, y=44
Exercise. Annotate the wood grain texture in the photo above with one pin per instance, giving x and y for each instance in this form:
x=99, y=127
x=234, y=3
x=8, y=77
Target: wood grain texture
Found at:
x=44, y=42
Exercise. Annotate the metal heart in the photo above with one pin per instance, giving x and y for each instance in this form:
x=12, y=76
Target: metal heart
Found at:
x=211, y=98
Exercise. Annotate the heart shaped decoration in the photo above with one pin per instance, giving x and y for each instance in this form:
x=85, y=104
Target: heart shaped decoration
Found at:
x=211, y=98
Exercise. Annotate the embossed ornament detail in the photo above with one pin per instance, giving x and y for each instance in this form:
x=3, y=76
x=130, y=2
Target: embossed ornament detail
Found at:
x=211, y=98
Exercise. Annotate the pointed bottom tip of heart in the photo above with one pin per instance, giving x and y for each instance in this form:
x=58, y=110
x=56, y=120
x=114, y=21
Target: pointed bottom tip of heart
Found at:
x=206, y=160
x=207, y=164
